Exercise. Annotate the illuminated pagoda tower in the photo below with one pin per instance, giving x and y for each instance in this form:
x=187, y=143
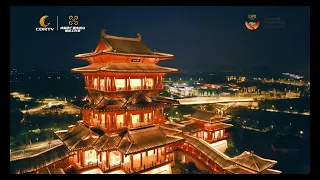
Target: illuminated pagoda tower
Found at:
x=120, y=126
x=124, y=129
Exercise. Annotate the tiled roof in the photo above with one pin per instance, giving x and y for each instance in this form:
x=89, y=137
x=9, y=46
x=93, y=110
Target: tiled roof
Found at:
x=217, y=126
x=191, y=128
x=39, y=161
x=145, y=139
x=124, y=46
x=51, y=171
x=235, y=169
x=252, y=161
x=169, y=131
x=135, y=102
x=207, y=116
x=270, y=171
x=77, y=138
x=124, y=67
x=106, y=142
x=211, y=153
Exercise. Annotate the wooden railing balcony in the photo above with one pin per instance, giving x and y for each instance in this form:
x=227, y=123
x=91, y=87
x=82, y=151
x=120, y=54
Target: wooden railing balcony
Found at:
x=146, y=167
x=121, y=125
x=108, y=167
x=86, y=166
x=117, y=89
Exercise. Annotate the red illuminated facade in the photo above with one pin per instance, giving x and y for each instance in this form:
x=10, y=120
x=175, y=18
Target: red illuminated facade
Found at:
x=123, y=128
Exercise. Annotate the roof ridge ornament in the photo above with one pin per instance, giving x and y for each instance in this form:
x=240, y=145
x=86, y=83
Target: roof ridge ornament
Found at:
x=105, y=35
x=139, y=37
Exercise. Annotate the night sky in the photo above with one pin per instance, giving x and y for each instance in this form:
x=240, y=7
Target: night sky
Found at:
x=201, y=38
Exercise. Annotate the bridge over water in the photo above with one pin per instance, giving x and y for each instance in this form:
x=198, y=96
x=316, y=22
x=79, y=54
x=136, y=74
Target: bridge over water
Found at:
x=211, y=100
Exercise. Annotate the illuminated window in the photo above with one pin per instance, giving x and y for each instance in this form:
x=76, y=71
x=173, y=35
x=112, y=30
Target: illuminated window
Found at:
x=104, y=156
x=95, y=120
x=95, y=83
x=90, y=156
x=120, y=119
x=221, y=132
x=102, y=83
x=216, y=134
x=120, y=84
x=136, y=156
x=126, y=159
x=135, y=84
x=205, y=134
x=145, y=117
x=151, y=152
x=149, y=82
x=135, y=118
x=114, y=158
x=103, y=120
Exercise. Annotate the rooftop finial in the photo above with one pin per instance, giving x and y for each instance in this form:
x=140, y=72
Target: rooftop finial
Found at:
x=103, y=33
x=139, y=37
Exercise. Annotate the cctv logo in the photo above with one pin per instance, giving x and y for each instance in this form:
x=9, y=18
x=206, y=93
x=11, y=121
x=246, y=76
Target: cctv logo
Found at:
x=44, y=23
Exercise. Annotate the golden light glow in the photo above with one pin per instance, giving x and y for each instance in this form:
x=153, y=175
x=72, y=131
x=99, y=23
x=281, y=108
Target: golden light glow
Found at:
x=135, y=118
x=135, y=83
x=120, y=84
x=120, y=118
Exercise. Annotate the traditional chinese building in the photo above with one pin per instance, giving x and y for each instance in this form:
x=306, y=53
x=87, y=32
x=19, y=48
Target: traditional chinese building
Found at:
x=120, y=126
x=124, y=129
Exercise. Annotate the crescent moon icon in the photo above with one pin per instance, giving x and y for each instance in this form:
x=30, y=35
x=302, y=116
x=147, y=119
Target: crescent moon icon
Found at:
x=42, y=21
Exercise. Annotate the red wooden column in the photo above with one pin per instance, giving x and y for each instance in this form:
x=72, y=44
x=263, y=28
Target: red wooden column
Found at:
x=141, y=83
x=92, y=82
x=141, y=159
x=157, y=82
x=82, y=157
x=126, y=119
x=98, y=82
x=157, y=154
x=125, y=84
x=108, y=84
x=122, y=158
x=129, y=86
x=130, y=120
x=78, y=157
x=105, y=84
x=115, y=121
x=145, y=86
x=131, y=161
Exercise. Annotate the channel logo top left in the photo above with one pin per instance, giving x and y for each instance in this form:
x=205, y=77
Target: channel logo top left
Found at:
x=44, y=23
